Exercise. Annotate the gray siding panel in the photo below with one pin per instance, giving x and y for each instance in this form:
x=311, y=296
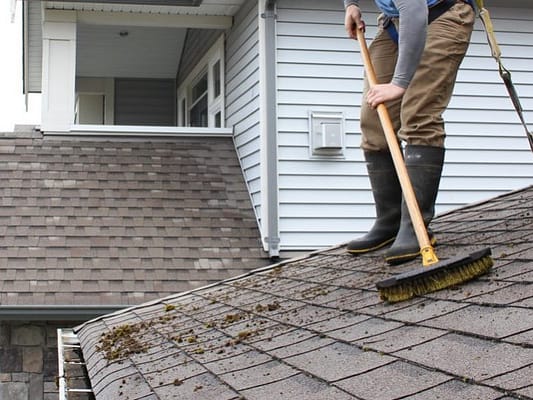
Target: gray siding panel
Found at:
x=197, y=43
x=242, y=95
x=327, y=202
x=145, y=102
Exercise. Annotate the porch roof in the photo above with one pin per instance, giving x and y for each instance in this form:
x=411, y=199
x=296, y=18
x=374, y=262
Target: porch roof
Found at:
x=95, y=223
x=145, y=37
x=314, y=327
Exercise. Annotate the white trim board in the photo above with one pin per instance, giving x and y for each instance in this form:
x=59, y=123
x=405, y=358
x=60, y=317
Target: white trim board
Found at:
x=130, y=130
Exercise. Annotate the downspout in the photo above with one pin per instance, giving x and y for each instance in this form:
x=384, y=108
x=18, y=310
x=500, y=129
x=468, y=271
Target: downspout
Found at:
x=270, y=130
x=25, y=52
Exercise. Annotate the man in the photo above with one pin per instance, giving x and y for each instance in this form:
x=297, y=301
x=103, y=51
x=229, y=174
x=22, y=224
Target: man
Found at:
x=416, y=54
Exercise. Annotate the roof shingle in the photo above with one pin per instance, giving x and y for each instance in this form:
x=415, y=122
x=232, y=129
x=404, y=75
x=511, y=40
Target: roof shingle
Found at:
x=120, y=222
x=315, y=328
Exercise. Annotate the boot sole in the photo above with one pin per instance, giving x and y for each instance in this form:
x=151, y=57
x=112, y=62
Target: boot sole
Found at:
x=369, y=249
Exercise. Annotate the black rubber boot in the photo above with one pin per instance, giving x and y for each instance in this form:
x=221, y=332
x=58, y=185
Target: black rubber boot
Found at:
x=388, y=199
x=424, y=166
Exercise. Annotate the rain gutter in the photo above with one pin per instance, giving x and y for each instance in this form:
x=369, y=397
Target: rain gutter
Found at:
x=73, y=378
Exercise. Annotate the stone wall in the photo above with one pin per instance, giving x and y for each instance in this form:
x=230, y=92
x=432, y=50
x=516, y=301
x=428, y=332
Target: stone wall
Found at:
x=28, y=360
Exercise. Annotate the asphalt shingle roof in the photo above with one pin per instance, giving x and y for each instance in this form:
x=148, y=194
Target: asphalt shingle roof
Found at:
x=315, y=328
x=118, y=221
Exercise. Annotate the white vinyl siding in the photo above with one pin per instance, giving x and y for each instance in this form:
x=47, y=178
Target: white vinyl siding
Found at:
x=34, y=47
x=327, y=202
x=487, y=152
x=242, y=95
x=322, y=202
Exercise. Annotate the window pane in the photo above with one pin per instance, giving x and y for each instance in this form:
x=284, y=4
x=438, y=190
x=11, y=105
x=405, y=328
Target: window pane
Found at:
x=198, y=114
x=199, y=89
x=218, y=120
x=216, y=79
x=183, y=113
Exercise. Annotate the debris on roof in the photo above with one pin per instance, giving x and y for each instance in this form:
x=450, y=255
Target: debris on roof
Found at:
x=315, y=328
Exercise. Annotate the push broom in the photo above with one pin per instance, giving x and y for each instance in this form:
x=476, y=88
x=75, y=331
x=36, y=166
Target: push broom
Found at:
x=434, y=275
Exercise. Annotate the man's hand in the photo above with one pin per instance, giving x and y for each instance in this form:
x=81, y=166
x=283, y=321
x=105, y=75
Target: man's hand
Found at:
x=382, y=93
x=353, y=21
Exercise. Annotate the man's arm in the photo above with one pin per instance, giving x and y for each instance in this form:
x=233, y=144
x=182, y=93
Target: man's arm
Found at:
x=412, y=39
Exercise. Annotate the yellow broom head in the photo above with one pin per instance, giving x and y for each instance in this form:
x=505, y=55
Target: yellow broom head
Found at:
x=442, y=275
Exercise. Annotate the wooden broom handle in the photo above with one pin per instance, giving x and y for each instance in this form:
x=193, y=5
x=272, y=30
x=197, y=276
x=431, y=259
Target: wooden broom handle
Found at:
x=428, y=255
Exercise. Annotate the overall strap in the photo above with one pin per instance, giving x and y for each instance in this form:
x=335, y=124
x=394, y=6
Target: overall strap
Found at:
x=392, y=31
x=440, y=8
x=433, y=13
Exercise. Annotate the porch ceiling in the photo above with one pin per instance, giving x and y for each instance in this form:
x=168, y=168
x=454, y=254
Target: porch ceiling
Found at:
x=138, y=40
x=128, y=51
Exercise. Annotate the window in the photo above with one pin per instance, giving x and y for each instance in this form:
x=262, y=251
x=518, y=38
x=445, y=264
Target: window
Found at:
x=201, y=95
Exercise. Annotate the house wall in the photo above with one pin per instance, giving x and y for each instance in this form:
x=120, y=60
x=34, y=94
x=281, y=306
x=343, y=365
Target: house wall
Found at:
x=328, y=201
x=28, y=360
x=242, y=95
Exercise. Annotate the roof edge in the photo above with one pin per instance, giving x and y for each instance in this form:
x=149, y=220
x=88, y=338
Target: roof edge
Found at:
x=73, y=312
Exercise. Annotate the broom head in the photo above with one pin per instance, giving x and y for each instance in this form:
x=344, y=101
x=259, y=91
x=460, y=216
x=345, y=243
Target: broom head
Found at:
x=439, y=276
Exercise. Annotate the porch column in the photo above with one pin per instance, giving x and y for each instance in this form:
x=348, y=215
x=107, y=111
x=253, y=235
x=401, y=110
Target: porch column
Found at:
x=59, y=71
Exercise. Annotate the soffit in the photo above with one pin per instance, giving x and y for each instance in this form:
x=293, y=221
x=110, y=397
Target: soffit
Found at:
x=128, y=51
x=208, y=7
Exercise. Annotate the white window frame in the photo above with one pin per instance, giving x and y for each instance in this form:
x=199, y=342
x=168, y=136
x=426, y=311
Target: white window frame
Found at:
x=215, y=105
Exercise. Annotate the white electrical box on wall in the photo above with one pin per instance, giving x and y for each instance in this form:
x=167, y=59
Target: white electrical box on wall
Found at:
x=326, y=131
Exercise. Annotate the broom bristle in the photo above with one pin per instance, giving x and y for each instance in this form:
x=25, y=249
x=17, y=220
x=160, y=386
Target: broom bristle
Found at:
x=430, y=279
